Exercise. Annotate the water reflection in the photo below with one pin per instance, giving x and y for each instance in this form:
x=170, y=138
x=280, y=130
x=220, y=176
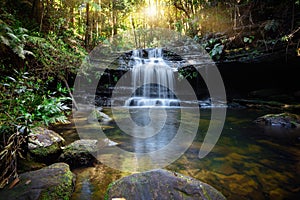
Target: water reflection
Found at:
x=149, y=138
x=151, y=142
x=248, y=162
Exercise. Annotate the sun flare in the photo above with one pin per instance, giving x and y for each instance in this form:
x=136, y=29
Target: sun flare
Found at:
x=151, y=11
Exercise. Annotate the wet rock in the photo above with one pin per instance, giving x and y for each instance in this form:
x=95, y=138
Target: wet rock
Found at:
x=263, y=93
x=163, y=185
x=235, y=105
x=98, y=116
x=44, y=143
x=81, y=152
x=53, y=182
x=95, y=179
x=260, y=104
x=286, y=120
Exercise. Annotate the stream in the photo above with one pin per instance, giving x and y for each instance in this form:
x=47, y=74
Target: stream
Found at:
x=248, y=161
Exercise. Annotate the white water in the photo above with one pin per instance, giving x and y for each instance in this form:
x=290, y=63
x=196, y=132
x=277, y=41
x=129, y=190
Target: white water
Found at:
x=152, y=80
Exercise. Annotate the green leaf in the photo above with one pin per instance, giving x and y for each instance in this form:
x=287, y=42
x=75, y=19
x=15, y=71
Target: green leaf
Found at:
x=11, y=78
x=246, y=39
x=14, y=37
x=5, y=40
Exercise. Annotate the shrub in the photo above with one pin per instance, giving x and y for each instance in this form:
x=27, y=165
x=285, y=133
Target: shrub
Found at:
x=25, y=103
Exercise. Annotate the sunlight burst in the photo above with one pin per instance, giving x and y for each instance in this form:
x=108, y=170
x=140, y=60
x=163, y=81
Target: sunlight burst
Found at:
x=151, y=11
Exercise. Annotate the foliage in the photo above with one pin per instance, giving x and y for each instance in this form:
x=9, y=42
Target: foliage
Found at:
x=49, y=55
x=216, y=51
x=13, y=35
x=271, y=25
x=186, y=73
x=214, y=47
x=15, y=39
x=24, y=105
x=249, y=39
x=54, y=56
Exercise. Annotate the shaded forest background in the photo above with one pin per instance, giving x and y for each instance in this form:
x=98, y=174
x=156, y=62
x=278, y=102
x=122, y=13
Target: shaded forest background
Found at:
x=43, y=42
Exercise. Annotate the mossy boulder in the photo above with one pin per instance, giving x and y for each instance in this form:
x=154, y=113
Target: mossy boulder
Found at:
x=44, y=143
x=79, y=153
x=161, y=184
x=53, y=182
x=286, y=120
x=83, y=152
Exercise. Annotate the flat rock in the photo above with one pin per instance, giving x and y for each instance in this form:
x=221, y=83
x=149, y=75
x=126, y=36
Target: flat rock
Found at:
x=161, y=184
x=53, y=182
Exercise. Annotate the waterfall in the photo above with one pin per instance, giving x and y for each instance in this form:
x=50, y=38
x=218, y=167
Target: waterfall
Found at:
x=152, y=80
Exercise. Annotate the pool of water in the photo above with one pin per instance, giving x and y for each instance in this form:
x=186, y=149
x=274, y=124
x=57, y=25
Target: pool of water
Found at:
x=248, y=161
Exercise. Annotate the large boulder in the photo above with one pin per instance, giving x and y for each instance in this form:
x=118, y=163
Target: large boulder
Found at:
x=286, y=120
x=161, y=184
x=81, y=152
x=53, y=182
x=44, y=143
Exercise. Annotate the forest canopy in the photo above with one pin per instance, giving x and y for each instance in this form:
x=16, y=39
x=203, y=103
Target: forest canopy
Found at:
x=95, y=20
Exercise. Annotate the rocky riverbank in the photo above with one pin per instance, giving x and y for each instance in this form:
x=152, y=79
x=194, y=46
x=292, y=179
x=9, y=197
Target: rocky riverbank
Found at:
x=57, y=180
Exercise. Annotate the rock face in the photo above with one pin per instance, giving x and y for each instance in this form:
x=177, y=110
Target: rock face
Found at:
x=43, y=143
x=163, y=185
x=53, y=182
x=285, y=120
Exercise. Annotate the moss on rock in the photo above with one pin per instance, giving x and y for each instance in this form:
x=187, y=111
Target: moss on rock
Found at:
x=44, y=143
x=46, y=151
x=161, y=184
x=80, y=153
x=61, y=191
x=286, y=120
x=53, y=182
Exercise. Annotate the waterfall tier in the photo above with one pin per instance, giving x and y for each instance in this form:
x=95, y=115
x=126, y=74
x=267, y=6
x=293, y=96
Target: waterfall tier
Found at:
x=152, y=80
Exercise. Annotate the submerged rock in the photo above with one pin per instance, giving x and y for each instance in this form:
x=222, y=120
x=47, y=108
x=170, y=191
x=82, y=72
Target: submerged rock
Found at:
x=161, y=184
x=53, y=182
x=286, y=120
x=81, y=152
x=234, y=105
x=44, y=143
x=98, y=116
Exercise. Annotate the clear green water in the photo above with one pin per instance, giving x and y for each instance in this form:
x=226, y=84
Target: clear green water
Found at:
x=248, y=162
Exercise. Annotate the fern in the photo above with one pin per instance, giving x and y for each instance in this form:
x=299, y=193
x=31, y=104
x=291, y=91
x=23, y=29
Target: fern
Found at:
x=15, y=39
x=271, y=25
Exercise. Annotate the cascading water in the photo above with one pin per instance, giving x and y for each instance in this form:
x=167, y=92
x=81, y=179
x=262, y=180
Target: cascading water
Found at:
x=152, y=80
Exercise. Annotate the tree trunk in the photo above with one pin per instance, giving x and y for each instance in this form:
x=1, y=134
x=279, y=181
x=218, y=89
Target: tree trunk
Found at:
x=42, y=16
x=87, y=26
x=36, y=10
x=114, y=19
x=72, y=17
